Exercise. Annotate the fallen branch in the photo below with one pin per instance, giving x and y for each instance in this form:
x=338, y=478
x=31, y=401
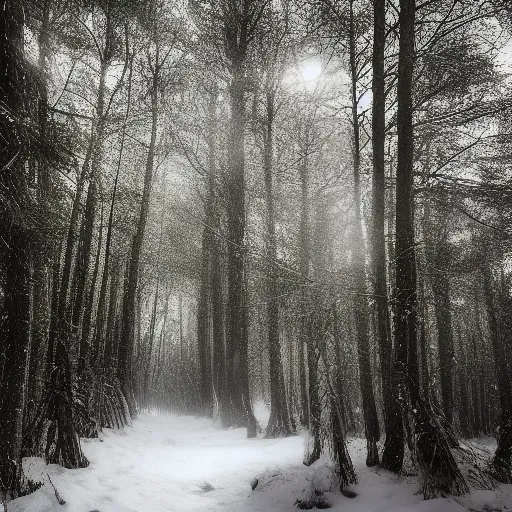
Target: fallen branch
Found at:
x=57, y=495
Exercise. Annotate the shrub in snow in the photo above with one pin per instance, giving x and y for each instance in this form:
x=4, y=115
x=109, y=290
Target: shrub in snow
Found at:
x=206, y=487
x=318, y=501
x=29, y=486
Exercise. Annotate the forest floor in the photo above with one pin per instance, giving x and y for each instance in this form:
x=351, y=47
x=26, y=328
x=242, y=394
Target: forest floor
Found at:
x=167, y=463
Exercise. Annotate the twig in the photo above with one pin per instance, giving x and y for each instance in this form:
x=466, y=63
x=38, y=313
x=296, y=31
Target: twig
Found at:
x=57, y=495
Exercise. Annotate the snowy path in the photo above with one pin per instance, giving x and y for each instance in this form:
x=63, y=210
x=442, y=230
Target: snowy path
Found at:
x=183, y=464
x=160, y=464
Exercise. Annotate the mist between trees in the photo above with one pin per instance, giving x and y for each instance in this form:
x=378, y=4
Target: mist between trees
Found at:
x=305, y=202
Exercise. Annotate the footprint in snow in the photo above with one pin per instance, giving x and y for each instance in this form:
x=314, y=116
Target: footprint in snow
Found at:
x=168, y=442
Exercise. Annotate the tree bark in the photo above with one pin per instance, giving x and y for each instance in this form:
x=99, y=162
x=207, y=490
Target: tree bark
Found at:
x=89, y=309
x=218, y=341
x=43, y=250
x=502, y=461
x=466, y=423
x=14, y=349
x=124, y=369
x=203, y=325
x=240, y=414
x=204, y=313
x=439, y=257
x=371, y=423
x=218, y=362
x=82, y=264
x=393, y=452
x=312, y=331
x=15, y=254
x=439, y=474
x=304, y=265
x=311, y=407
x=279, y=422
x=109, y=353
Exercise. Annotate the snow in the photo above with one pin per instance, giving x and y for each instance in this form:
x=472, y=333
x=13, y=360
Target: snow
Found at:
x=185, y=464
x=378, y=491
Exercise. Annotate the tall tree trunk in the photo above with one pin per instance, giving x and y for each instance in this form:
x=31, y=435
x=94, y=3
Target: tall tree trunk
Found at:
x=160, y=361
x=304, y=264
x=204, y=313
x=439, y=473
x=466, y=423
x=89, y=309
x=347, y=472
x=312, y=330
x=39, y=336
x=218, y=340
x=203, y=325
x=291, y=376
x=14, y=346
x=109, y=353
x=241, y=413
x=44, y=254
x=502, y=462
x=124, y=369
x=65, y=279
x=56, y=434
x=82, y=264
x=311, y=407
x=424, y=356
x=475, y=363
x=371, y=422
x=218, y=360
x=439, y=257
x=15, y=253
x=180, y=322
x=144, y=397
x=393, y=452
x=406, y=308
x=279, y=422
x=479, y=364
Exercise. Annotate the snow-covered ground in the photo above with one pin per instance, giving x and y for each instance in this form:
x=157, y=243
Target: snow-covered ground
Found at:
x=184, y=464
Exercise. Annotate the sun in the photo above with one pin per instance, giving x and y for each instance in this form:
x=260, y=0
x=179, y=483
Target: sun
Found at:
x=311, y=70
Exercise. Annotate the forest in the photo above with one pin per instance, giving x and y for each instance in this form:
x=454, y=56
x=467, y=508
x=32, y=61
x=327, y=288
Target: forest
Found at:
x=210, y=208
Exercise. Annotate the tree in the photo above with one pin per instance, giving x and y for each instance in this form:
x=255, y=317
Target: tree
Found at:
x=239, y=24
x=372, y=431
x=438, y=469
x=496, y=307
x=392, y=455
x=273, y=53
x=17, y=82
